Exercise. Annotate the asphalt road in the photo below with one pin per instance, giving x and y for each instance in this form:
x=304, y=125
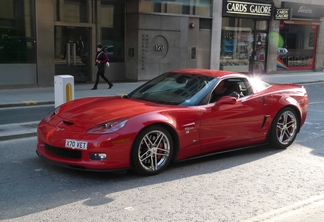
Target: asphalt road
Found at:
x=259, y=184
x=253, y=185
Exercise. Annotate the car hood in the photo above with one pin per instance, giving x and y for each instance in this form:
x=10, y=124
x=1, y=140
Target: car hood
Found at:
x=96, y=110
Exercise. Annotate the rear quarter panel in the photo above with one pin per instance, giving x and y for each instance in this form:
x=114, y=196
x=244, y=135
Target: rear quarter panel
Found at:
x=279, y=96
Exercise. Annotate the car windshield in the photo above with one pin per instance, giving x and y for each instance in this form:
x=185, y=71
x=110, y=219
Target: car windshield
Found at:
x=175, y=89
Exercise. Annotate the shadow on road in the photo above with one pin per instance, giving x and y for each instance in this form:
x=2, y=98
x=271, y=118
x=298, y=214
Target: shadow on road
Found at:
x=36, y=185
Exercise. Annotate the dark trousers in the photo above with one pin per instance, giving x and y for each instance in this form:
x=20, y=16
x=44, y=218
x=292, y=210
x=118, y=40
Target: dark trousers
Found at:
x=101, y=72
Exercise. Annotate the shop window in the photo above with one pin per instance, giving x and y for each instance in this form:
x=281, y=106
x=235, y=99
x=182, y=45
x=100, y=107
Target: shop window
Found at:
x=296, y=47
x=243, y=45
x=17, y=32
x=183, y=7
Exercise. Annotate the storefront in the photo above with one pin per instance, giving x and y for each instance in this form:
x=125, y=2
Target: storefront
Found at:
x=62, y=40
x=142, y=38
x=245, y=27
x=298, y=36
x=17, y=42
x=78, y=27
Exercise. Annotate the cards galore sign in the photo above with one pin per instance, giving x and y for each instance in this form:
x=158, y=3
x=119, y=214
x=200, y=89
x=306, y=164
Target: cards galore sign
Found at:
x=247, y=8
x=282, y=14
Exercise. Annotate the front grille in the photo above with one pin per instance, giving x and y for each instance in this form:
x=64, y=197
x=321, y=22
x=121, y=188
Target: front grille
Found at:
x=68, y=153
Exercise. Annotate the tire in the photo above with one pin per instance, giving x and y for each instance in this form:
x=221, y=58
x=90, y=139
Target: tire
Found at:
x=152, y=150
x=284, y=128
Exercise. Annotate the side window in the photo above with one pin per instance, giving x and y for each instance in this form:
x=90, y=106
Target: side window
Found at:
x=241, y=86
x=245, y=88
x=236, y=87
x=226, y=87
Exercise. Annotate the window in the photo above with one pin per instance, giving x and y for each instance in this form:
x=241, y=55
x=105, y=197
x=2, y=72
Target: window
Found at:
x=175, y=89
x=111, y=20
x=296, y=48
x=236, y=44
x=17, y=32
x=244, y=45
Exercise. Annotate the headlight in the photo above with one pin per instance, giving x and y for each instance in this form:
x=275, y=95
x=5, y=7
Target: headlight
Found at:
x=108, y=127
x=49, y=116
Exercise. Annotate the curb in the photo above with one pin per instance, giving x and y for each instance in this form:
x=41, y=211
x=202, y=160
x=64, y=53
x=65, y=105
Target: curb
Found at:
x=18, y=130
x=17, y=136
x=26, y=104
x=298, y=83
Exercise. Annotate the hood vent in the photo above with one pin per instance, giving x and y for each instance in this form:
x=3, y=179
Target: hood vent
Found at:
x=68, y=123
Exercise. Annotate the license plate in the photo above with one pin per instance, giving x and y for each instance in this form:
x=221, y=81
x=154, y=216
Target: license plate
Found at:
x=74, y=144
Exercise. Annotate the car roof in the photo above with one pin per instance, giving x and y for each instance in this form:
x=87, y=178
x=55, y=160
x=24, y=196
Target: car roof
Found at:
x=209, y=72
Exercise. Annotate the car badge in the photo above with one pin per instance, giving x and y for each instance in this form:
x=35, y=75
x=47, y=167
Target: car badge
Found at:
x=58, y=128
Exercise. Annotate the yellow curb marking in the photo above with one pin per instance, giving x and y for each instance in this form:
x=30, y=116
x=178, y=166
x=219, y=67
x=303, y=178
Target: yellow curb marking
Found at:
x=30, y=102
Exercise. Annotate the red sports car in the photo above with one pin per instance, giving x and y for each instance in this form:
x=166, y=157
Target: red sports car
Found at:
x=178, y=115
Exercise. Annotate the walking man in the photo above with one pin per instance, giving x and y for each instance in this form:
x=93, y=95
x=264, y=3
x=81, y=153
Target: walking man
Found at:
x=101, y=60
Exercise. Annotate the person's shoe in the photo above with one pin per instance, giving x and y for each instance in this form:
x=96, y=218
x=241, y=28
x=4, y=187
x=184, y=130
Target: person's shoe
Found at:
x=94, y=88
x=110, y=86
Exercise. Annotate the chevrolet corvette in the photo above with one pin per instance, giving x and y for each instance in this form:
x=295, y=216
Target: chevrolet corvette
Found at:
x=171, y=118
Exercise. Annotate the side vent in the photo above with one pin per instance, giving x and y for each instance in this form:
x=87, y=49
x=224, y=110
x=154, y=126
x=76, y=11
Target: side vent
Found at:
x=264, y=121
x=265, y=118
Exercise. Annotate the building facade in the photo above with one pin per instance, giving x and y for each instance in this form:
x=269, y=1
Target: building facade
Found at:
x=144, y=38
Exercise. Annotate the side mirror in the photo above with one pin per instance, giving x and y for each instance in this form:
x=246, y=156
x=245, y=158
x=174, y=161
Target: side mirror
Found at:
x=225, y=100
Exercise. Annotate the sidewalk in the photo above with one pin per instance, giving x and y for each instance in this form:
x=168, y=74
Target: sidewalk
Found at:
x=45, y=95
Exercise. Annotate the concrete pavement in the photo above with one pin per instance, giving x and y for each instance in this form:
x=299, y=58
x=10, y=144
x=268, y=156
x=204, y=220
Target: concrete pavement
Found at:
x=45, y=95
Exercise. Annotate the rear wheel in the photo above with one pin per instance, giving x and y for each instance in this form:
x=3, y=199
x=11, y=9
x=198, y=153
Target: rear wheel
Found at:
x=284, y=128
x=152, y=150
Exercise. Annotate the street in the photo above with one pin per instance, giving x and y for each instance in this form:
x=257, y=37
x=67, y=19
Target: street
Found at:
x=259, y=184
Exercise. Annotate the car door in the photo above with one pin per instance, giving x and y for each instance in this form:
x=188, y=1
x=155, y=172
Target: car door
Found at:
x=232, y=125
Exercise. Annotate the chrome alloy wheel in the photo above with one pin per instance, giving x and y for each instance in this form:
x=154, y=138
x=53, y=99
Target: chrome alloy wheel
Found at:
x=286, y=127
x=154, y=150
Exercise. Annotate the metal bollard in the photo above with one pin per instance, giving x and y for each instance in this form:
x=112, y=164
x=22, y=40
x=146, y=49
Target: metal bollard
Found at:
x=63, y=89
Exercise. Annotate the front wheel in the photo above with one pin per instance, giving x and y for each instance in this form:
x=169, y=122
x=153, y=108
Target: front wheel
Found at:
x=284, y=128
x=152, y=150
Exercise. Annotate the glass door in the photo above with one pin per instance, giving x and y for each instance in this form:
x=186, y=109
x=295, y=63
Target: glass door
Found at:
x=259, y=46
x=72, y=55
x=244, y=45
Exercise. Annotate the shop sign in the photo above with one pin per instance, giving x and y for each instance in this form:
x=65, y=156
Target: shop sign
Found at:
x=282, y=14
x=305, y=10
x=252, y=9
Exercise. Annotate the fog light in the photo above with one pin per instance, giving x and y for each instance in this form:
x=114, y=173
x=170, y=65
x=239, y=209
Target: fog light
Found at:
x=98, y=156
